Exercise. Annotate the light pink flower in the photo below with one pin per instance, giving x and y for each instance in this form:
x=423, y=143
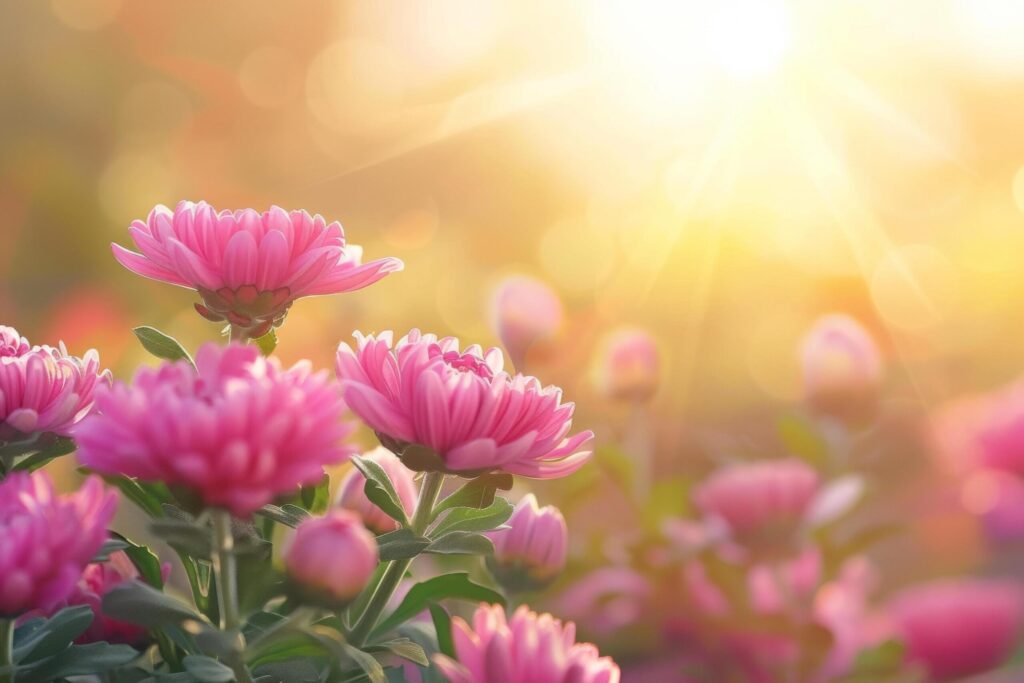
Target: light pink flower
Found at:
x=956, y=628
x=527, y=648
x=247, y=266
x=351, y=495
x=765, y=497
x=841, y=365
x=526, y=315
x=47, y=539
x=12, y=344
x=238, y=432
x=460, y=405
x=332, y=557
x=533, y=549
x=628, y=366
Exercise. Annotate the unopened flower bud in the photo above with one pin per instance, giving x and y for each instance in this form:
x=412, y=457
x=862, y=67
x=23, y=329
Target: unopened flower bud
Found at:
x=532, y=551
x=526, y=315
x=628, y=366
x=330, y=559
x=841, y=367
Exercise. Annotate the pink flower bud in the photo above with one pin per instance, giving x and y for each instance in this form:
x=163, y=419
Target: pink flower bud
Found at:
x=329, y=559
x=959, y=628
x=351, y=494
x=532, y=551
x=841, y=366
x=628, y=366
x=526, y=314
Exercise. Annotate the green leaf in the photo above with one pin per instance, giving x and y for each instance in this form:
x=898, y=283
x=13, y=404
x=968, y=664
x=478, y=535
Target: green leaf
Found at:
x=111, y=545
x=52, y=635
x=148, y=496
x=207, y=670
x=137, y=603
x=282, y=516
x=432, y=591
x=268, y=342
x=380, y=490
x=61, y=445
x=443, y=626
x=404, y=648
x=885, y=657
x=144, y=559
x=474, y=519
x=185, y=537
x=82, y=660
x=162, y=345
x=461, y=543
x=366, y=662
x=400, y=544
x=476, y=493
x=800, y=439
x=317, y=498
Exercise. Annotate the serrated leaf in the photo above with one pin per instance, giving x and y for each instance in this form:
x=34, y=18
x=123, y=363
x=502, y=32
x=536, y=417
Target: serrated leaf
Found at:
x=401, y=544
x=404, y=648
x=52, y=635
x=476, y=493
x=267, y=343
x=461, y=543
x=208, y=670
x=380, y=489
x=447, y=586
x=162, y=345
x=474, y=519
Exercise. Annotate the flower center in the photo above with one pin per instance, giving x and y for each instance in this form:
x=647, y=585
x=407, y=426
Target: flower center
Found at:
x=463, y=362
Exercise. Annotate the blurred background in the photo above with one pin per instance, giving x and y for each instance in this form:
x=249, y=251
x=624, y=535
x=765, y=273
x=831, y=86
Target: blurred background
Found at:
x=718, y=174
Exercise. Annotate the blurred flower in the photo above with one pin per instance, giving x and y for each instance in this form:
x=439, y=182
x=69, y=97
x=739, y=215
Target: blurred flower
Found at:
x=247, y=266
x=331, y=558
x=763, y=503
x=532, y=551
x=444, y=409
x=842, y=368
x=238, y=432
x=606, y=599
x=1000, y=431
x=526, y=314
x=526, y=648
x=43, y=390
x=956, y=628
x=628, y=366
x=351, y=495
x=48, y=539
x=842, y=605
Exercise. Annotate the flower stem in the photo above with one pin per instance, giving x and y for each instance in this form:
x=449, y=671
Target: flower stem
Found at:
x=392, y=576
x=224, y=571
x=6, y=650
x=238, y=334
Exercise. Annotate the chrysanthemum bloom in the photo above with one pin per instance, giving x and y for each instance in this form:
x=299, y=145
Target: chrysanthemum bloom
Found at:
x=842, y=368
x=628, y=366
x=958, y=628
x=532, y=551
x=527, y=648
x=46, y=539
x=526, y=314
x=763, y=503
x=237, y=433
x=352, y=496
x=43, y=390
x=330, y=559
x=248, y=267
x=444, y=409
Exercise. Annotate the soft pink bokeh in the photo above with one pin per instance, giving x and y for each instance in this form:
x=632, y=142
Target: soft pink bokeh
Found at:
x=628, y=366
x=841, y=365
x=526, y=314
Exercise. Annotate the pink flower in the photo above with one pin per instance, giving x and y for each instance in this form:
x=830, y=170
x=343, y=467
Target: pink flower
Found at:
x=247, y=266
x=607, y=599
x=528, y=648
x=999, y=434
x=532, y=551
x=526, y=315
x=43, y=390
x=351, y=495
x=842, y=368
x=460, y=405
x=959, y=627
x=48, y=539
x=238, y=432
x=628, y=367
x=331, y=558
x=766, y=499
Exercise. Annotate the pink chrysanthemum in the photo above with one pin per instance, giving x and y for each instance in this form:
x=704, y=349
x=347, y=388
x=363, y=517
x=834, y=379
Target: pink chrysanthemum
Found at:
x=248, y=267
x=424, y=391
x=47, y=539
x=238, y=432
x=43, y=390
x=527, y=648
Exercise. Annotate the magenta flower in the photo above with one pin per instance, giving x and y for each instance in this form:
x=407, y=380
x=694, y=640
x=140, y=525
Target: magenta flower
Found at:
x=526, y=314
x=628, y=367
x=527, y=648
x=48, y=539
x=764, y=499
x=248, y=267
x=842, y=367
x=238, y=433
x=331, y=558
x=459, y=404
x=532, y=551
x=352, y=496
x=959, y=628
x=43, y=390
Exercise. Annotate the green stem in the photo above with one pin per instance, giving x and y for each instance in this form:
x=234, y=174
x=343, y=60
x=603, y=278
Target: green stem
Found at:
x=429, y=492
x=225, y=574
x=6, y=649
